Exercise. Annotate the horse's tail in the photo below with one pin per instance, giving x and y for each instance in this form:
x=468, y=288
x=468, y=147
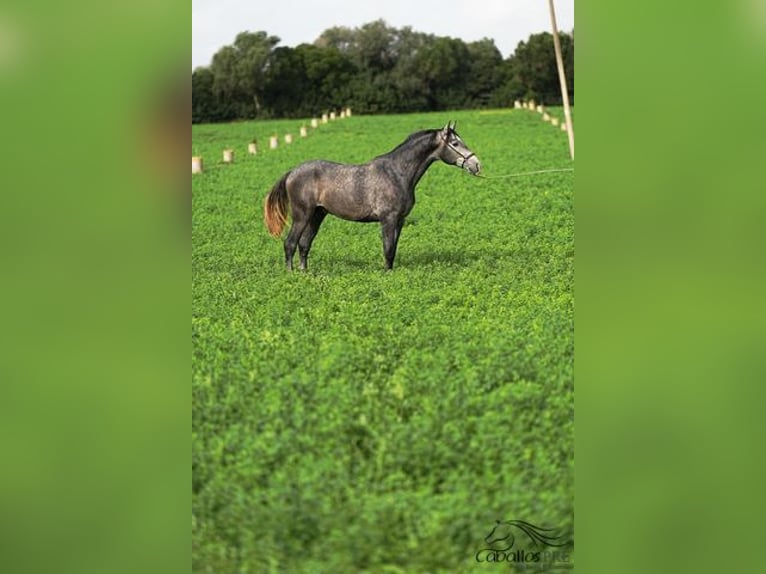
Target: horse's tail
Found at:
x=275, y=207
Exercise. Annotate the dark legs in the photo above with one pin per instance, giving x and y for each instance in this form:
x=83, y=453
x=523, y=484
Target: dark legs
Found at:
x=299, y=223
x=302, y=233
x=391, y=230
x=306, y=225
x=304, y=244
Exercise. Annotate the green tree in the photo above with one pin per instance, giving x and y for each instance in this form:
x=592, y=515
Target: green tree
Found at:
x=410, y=86
x=374, y=68
x=445, y=66
x=329, y=73
x=484, y=76
x=226, y=89
x=239, y=72
x=204, y=105
x=374, y=50
x=285, y=83
x=531, y=71
x=342, y=38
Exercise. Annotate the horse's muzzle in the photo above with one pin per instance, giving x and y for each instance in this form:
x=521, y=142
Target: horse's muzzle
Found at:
x=472, y=165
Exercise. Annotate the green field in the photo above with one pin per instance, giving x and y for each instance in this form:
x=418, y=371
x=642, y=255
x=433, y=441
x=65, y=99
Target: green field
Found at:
x=349, y=419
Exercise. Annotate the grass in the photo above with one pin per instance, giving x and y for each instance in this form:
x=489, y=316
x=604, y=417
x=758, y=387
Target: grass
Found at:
x=352, y=420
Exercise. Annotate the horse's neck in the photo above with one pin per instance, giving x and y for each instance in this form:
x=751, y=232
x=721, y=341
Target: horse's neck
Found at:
x=413, y=159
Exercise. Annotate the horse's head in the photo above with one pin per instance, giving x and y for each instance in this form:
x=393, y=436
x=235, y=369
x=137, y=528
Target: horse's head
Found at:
x=452, y=150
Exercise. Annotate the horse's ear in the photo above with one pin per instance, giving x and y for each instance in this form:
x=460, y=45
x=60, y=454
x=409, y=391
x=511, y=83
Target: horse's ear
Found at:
x=447, y=128
x=454, y=125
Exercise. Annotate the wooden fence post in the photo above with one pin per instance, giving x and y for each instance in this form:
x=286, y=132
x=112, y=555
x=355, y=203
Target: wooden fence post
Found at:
x=562, y=80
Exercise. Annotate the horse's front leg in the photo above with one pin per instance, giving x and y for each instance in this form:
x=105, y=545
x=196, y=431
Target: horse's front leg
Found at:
x=391, y=229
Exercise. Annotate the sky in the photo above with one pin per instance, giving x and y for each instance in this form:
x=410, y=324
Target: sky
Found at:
x=215, y=23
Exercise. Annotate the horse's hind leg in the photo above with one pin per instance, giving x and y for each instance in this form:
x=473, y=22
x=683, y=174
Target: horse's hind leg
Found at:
x=300, y=220
x=304, y=243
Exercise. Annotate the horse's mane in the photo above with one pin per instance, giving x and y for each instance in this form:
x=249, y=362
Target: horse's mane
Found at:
x=411, y=138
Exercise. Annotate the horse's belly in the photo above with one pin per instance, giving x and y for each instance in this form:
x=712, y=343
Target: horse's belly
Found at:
x=342, y=211
x=348, y=208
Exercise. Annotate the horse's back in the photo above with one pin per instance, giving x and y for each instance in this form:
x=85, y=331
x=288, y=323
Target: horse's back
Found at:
x=323, y=171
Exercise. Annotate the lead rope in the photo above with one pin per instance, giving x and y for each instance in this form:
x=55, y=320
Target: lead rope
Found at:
x=524, y=173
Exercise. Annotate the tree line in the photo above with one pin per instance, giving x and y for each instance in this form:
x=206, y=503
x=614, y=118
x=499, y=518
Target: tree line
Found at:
x=374, y=69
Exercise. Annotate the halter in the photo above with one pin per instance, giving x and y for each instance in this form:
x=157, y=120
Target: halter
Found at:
x=464, y=157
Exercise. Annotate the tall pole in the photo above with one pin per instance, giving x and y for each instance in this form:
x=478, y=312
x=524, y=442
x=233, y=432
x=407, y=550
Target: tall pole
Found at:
x=562, y=80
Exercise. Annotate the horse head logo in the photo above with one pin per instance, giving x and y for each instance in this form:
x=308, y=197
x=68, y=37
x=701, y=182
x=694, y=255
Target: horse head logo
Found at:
x=505, y=534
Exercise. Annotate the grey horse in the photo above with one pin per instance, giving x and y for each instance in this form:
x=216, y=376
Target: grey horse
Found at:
x=381, y=190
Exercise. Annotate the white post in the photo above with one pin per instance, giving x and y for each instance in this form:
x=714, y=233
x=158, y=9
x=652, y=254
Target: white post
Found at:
x=546, y=117
x=562, y=80
x=555, y=122
x=288, y=138
x=273, y=142
x=348, y=112
x=332, y=116
x=196, y=164
x=343, y=114
x=252, y=148
x=314, y=123
x=304, y=132
x=228, y=156
x=517, y=104
x=324, y=118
